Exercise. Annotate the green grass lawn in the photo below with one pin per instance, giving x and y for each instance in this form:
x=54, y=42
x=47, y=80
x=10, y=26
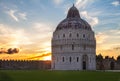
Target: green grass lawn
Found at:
x=37, y=75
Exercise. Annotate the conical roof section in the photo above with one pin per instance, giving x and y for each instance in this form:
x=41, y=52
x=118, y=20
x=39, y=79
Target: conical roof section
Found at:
x=73, y=12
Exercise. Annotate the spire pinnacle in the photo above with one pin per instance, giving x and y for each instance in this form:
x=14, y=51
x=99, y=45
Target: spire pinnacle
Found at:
x=73, y=4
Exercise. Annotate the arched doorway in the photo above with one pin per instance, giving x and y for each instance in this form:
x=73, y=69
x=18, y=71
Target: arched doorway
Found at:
x=84, y=62
x=84, y=65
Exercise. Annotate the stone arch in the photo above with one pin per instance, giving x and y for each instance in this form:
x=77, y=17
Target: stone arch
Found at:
x=84, y=62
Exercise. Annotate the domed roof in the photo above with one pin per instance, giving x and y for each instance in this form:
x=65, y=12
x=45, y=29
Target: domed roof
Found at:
x=73, y=20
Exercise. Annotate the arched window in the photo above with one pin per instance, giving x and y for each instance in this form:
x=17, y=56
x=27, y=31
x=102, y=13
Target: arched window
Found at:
x=83, y=35
x=70, y=59
x=70, y=35
x=72, y=47
x=63, y=59
x=63, y=35
x=77, y=59
x=77, y=35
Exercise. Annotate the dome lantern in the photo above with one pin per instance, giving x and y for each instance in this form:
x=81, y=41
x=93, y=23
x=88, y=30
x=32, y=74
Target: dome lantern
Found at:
x=73, y=12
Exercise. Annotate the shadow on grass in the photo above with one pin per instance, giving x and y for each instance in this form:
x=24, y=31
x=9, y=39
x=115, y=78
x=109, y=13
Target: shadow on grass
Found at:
x=5, y=77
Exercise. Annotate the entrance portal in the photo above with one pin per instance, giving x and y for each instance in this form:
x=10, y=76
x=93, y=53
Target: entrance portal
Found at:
x=84, y=62
x=84, y=65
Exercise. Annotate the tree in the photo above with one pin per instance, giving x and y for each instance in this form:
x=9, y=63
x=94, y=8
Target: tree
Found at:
x=113, y=57
x=107, y=57
x=99, y=57
x=118, y=58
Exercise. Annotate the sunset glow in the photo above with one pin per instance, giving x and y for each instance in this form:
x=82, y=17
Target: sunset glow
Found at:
x=29, y=25
x=47, y=57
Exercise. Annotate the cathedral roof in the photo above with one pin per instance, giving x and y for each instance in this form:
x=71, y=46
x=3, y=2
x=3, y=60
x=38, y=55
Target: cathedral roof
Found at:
x=73, y=20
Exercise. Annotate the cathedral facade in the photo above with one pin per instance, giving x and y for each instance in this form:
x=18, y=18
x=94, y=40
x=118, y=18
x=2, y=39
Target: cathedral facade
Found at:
x=73, y=44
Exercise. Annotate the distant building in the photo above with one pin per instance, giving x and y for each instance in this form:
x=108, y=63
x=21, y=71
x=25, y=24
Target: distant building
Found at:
x=108, y=64
x=73, y=44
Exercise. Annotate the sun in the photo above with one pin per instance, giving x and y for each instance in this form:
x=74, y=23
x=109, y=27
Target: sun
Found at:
x=47, y=57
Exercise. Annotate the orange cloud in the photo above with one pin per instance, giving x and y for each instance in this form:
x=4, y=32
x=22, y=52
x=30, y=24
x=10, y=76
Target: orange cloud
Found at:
x=46, y=56
x=42, y=56
x=32, y=42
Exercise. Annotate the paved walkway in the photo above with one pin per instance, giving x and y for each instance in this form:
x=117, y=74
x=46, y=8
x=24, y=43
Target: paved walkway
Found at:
x=109, y=70
x=113, y=70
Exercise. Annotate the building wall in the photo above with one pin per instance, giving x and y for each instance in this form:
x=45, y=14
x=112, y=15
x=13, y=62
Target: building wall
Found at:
x=72, y=43
x=20, y=64
x=108, y=64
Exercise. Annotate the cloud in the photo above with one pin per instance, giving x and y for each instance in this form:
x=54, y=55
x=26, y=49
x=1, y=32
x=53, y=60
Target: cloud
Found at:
x=82, y=3
x=101, y=38
x=4, y=29
x=12, y=14
x=108, y=39
x=57, y=2
x=44, y=31
x=22, y=16
x=115, y=31
x=40, y=56
x=16, y=15
x=33, y=41
x=108, y=42
x=117, y=48
x=12, y=36
x=116, y=3
x=9, y=51
x=45, y=27
x=37, y=37
x=92, y=20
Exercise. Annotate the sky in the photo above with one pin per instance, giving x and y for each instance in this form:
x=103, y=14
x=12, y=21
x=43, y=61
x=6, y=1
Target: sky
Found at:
x=29, y=24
